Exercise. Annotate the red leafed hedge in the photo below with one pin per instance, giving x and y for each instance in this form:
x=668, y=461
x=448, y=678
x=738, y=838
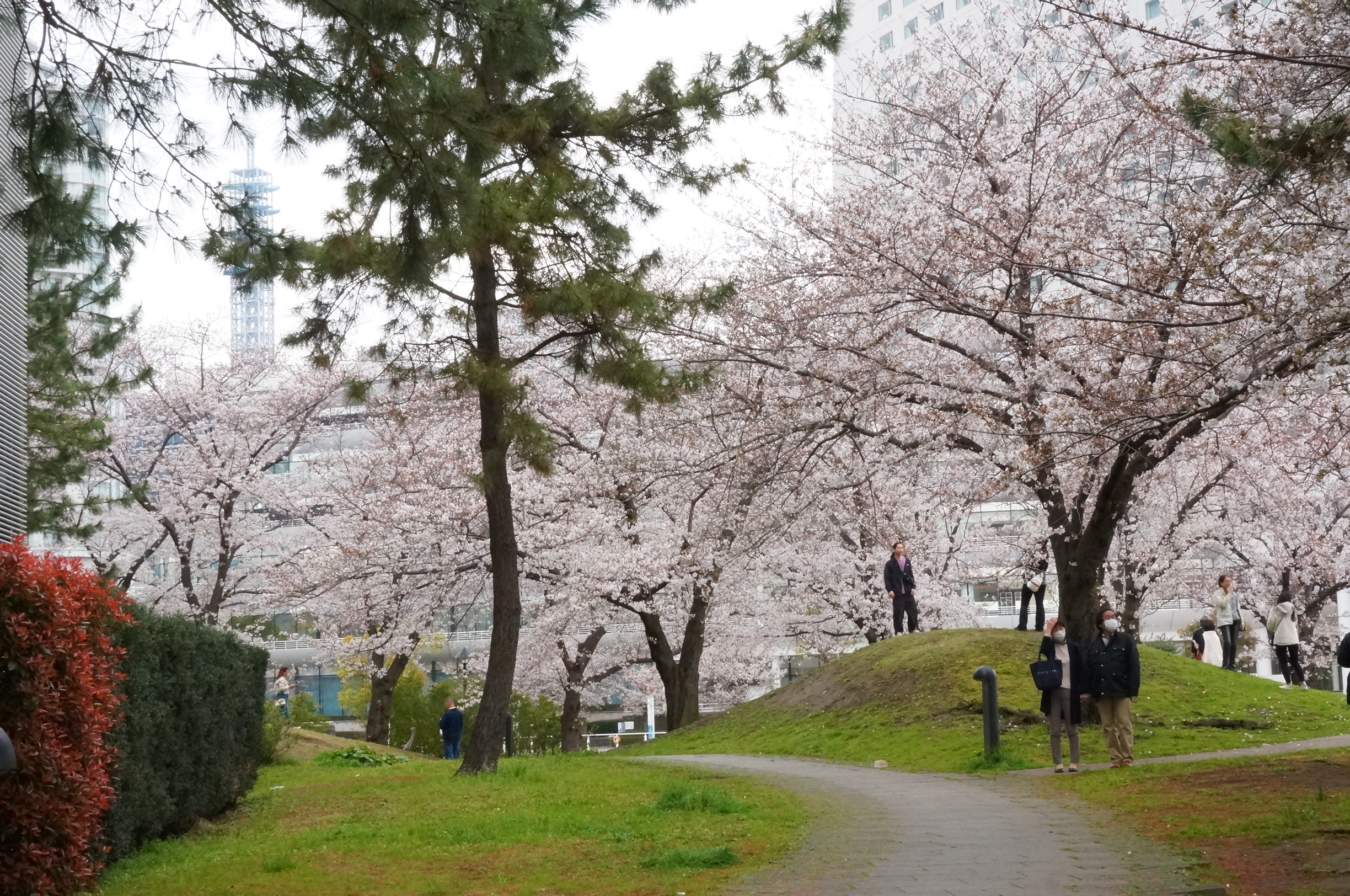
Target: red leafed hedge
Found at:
x=58, y=698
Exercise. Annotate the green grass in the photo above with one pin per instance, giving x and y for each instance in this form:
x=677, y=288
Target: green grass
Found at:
x=912, y=701
x=1269, y=824
x=565, y=824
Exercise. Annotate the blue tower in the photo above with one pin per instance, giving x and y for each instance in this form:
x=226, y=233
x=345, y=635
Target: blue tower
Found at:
x=252, y=304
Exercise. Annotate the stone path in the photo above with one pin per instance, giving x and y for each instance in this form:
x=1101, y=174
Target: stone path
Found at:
x=1313, y=743
x=886, y=832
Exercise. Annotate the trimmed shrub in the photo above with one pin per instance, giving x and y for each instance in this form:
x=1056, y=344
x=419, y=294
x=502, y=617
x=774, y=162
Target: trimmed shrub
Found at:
x=58, y=700
x=191, y=737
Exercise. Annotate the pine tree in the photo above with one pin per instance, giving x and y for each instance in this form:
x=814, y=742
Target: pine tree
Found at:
x=476, y=154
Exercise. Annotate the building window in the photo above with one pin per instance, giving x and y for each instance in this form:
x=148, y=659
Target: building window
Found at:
x=884, y=11
x=962, y=4
x=1152, y=9
x=935, y=14
x=911, y=27
x=887, y=40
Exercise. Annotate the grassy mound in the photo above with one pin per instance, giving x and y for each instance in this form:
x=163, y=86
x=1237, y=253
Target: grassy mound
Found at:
x=912, y=701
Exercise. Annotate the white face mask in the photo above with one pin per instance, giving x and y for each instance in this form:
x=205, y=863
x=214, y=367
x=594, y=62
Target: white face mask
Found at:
x=1111, y=624
x=1060, y=636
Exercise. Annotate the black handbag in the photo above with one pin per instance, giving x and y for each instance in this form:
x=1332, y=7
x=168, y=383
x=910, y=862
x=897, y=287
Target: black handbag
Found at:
x=1048, y=674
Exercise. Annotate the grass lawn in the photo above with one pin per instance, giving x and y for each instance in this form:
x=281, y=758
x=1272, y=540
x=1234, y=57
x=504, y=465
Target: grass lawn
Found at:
x=912, y=701
x=562, y=824
x=1276, y=825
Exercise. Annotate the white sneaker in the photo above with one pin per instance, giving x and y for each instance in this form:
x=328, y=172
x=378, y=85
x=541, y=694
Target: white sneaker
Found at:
x=1304, y=685
x=1285, y=687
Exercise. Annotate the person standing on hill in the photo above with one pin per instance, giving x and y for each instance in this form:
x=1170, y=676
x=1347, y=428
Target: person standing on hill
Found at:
x=1225, y=605
x=1063, y=706
x=899, y=577
x=1282, y=623
x=1343, y=660
x=1113, y=680
x=281, y=688
x=1034, y=586
x=452, y=727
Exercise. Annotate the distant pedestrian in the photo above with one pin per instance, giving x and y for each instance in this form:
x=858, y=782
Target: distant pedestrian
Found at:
x=1034, y=586
x=1113, y=679
x=1282, y=623
x=1226, y=615
x=281, y=690
x=899, y=576
x=1206, y=645
x=1063, y=706
x=1343, y=660
x=452, y=726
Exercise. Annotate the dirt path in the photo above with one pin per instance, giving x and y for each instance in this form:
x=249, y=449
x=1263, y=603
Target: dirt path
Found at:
x=885, y=832
x=1336, y=741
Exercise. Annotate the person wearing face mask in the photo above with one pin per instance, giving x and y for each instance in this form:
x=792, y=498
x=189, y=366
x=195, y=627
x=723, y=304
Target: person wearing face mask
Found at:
x=1063, y=706
x=1283, y=625
x=1113, y=680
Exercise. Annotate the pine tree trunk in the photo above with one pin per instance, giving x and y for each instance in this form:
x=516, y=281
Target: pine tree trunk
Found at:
x=485, y=743
x=382, y=697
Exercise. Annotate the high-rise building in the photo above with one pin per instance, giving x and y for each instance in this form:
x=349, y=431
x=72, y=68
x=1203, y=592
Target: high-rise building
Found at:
x=252, y=302
x=13, y=303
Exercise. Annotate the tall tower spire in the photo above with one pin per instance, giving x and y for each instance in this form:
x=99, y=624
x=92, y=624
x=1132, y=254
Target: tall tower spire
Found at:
x=252, y=302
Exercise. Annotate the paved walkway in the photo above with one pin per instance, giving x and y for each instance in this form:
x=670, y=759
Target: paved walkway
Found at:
x=886, y=832
x=1294, y=746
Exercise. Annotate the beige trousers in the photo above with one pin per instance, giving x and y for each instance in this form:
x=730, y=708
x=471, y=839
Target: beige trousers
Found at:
x=1117, y=726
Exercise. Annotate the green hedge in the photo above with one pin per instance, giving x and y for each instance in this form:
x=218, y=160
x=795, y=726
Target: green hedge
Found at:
x=190, y=739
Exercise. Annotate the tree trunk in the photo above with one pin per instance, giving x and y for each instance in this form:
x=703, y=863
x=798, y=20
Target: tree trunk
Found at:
x=382, y=683
x=576, y=681
x=571, y=722
x=679, y=678
x=494, y=395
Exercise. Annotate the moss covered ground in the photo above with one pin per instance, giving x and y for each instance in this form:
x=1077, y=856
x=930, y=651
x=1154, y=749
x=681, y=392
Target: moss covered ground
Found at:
x=561, y=824
x=912, y=701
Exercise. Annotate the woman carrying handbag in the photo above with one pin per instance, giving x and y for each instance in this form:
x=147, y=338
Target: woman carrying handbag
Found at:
x=1063, y=704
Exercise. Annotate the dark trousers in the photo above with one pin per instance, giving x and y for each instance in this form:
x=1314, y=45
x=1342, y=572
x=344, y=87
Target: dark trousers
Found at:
x=905, y=606
x=1290, y=667
x=1228, y=638
x=451, y=748
x=1027, y=595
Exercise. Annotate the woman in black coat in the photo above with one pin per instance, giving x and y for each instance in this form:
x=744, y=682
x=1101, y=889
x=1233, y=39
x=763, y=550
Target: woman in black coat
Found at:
x=1063, y=706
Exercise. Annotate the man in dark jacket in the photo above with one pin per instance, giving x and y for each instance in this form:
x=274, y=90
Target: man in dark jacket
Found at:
x=1113, y=678
x=452, y=726
x=899, y=576
x=1343, y=660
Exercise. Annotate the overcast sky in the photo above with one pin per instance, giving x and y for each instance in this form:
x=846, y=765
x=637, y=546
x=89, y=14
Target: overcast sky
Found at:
x=173, y=286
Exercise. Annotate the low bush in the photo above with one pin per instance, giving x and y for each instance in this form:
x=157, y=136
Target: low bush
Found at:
x=191, y=737
x=278, y=734
x=58, y=700
x=359, y=756
x=710, y=857
x=699, y=799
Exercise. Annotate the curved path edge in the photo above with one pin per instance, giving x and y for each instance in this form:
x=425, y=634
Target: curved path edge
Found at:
x=1332, y=742
x=885, y=832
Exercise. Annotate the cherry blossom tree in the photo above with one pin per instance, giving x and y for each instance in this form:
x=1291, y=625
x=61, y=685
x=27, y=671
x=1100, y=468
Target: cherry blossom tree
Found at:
x=193, y=454
x=1031, y=258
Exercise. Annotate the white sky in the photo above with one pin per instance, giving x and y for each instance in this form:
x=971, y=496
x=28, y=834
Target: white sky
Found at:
x=173, y=286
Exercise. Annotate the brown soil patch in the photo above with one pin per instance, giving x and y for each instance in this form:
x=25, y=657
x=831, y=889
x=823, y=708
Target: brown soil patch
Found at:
x=1331, y=773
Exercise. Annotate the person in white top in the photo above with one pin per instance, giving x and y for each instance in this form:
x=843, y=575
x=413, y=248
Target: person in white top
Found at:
x=1207, y=646
x=281, y=687
x=1224, y=603
x=1282, y=623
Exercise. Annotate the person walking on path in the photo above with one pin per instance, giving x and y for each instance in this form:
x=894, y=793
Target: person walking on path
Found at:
x=1034, y=586
x=1282, y=623
x=1207, y=645
x=281, y=689
x=899, y=577
x=1063, y=706
x=1343, y=660
x=1113, y=680
x=1226, y=615
x=452, y=726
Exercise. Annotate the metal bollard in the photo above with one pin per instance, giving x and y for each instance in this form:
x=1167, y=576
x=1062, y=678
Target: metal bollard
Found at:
x=989, y=678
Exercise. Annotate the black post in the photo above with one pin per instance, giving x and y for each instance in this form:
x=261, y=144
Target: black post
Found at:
x=989, y=678
x=510, y=735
